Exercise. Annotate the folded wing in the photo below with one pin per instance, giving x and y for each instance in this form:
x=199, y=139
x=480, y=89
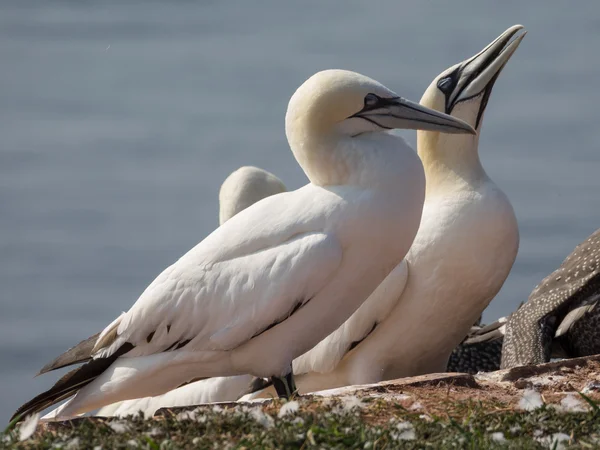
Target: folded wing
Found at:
x=242, y=279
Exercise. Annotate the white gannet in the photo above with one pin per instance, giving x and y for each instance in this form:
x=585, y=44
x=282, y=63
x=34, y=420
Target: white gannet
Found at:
x=465, y=247
x=281, y=275
x=241, y=188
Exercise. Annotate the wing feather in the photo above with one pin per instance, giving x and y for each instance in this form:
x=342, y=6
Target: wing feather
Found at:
x=219, y=302
x=82, y=352
x=247, y=275
x=325, y=356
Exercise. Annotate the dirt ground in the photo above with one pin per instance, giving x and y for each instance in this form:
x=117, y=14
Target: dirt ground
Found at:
x=446, y=394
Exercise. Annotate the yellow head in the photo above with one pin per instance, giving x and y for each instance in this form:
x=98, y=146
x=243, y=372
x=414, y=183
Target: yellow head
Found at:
x=463, y=91
x=336, y=106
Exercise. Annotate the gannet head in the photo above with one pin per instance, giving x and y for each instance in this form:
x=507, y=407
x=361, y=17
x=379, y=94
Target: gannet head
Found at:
x=339, y=105
x=243, y=188
x=463, y=91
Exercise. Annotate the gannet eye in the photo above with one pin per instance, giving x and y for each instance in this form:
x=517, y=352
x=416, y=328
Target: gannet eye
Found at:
x=371, y=100
x=446, y=84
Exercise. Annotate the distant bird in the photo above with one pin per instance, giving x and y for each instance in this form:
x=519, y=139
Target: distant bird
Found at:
x=281, y=275
x=560, y=318
x=466, y=245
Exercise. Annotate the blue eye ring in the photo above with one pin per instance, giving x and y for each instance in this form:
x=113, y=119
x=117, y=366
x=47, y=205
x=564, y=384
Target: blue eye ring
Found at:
x=446, y=84
x=371, y=100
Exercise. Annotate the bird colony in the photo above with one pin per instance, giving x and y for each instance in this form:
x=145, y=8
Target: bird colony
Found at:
x=378, y=268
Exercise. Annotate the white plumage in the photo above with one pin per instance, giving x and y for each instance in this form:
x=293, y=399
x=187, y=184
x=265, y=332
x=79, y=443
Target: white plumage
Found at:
x=281, y=275
x=242, y=188
x=218, y=389
x=465, y=247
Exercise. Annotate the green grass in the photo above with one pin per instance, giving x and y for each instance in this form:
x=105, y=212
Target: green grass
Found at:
x=378, y=424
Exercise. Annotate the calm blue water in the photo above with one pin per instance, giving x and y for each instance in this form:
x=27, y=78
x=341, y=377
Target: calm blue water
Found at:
x=119, y=121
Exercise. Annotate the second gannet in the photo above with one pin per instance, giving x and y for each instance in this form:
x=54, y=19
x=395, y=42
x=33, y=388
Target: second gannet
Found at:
x=466, y=245
x=244, y=187
x=281, y=275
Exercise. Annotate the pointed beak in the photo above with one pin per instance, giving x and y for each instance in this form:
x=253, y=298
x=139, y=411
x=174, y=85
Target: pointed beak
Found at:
x=479, y=73
x=399, y=113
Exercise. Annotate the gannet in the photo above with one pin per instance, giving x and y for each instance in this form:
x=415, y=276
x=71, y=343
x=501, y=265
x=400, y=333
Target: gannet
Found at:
x=465, y=247
x=281, y=275
x=560, y=318
x=242, y=188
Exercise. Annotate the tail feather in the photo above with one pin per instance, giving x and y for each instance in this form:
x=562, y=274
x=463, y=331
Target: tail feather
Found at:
x=71, y=382
x=258, y=384
x=488, y=333
x=574, y=315
x=82, y=352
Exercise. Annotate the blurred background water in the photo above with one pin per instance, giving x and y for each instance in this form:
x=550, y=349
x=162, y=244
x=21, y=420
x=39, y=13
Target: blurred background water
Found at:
x=119, y=120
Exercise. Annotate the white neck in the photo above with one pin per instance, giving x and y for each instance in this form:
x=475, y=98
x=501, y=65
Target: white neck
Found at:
x=451, y=161
x=371, y=160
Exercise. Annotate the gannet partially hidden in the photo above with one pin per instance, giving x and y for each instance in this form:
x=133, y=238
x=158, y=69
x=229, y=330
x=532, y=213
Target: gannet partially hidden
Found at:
x=278, y=277
x=243, y=188
x=466, y=245
x=561, y=317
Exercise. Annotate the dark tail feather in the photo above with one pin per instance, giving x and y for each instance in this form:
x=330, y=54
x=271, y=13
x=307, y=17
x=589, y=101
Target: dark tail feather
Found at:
x=487, y=333
x=493, y=326
x=82, y=352
x=258, y=384
x=70, y=383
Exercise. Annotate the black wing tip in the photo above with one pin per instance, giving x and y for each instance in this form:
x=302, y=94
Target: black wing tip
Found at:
x=70, y=383
x=53, y=395
x=258, y=384
x=48, y=368
x=35, y=405
x=80, y=353
x=52, y=365
x=15, y=418
x=21, y=414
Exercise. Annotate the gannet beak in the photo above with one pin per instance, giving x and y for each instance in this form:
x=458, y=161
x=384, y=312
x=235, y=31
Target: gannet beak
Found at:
x=479, y=73
x=399, y=113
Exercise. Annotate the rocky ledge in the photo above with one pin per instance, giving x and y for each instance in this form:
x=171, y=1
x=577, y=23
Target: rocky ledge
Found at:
x=547, y=406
